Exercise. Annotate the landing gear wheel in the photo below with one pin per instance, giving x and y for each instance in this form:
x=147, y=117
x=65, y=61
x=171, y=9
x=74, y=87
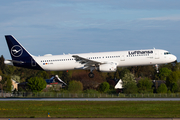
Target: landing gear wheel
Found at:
x=91, y=75
x=157, y=68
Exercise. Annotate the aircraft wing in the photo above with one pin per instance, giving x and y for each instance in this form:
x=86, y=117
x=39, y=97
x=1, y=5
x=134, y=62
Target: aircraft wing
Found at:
x=87, y=62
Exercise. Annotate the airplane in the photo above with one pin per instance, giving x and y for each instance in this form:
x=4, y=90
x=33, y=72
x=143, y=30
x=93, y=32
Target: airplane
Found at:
x=102, y=61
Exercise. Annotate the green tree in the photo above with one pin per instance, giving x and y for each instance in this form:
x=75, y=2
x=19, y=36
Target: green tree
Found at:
x=145, y=86
x=66, y=77
x=169, y=66
x=174, y=87
x=75, y=86
x=2, y=65
x=9, y=69
x=178, y=83
x=143, y=71
x=110, y=76
x=1, y=72
x=164, y=73
x=130, y=88
x=162, y=88
x=104, y=87
x=172, y=78
x=36, y=84
x=42, y=74
x=91, y=91
x=129, y=83
x=116, y=75
x=6, y=83
x=8, y=86
x=176, y=66
x=128, y=78
x=2, y=82
x=123, y=72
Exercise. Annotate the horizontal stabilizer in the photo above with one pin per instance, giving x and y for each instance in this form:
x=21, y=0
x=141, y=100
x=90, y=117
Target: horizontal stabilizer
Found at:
x=10, y=62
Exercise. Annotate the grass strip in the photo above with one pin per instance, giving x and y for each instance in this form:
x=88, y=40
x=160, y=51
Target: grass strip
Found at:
x=90, y=109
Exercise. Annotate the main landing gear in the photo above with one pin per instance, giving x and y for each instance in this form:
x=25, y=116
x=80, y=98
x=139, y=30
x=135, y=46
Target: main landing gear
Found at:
x=91, y=75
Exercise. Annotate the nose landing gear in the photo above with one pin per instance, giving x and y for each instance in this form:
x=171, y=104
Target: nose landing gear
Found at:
x=157, y=68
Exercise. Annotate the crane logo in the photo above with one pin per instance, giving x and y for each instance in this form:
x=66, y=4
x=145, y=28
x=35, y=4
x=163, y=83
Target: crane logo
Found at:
x=16, y=51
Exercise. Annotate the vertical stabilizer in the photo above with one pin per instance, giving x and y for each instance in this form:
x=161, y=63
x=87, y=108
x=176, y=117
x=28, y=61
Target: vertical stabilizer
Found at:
x=20, y=56
x=17, y=51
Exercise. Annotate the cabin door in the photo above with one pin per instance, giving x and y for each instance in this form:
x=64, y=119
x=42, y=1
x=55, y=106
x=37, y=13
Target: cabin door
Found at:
x=122, y=57
x=156, y=54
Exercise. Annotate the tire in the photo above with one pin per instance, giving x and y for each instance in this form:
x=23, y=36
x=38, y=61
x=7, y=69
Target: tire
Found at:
x=91, y=75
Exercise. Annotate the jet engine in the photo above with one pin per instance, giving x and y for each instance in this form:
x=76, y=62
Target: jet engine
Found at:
x=109, y=67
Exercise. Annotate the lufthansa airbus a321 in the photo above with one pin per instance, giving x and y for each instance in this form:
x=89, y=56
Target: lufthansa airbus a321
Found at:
x=102, y=61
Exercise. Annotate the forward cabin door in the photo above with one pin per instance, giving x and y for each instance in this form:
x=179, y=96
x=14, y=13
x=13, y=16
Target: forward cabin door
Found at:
x=156, y=54
x=122, y=57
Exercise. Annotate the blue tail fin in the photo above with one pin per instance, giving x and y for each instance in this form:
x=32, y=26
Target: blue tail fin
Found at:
x=20, y=56
x=16, y=50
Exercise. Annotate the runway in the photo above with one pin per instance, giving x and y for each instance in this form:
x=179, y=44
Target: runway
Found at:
x=89, y=99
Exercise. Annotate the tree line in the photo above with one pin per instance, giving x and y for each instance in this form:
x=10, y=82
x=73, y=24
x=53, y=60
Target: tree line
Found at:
x=76, y=79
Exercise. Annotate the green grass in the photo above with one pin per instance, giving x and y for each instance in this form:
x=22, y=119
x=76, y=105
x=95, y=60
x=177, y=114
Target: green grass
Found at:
x=90, y=109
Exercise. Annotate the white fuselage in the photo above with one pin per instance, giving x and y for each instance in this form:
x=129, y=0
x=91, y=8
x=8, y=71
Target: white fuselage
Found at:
x=121, y=58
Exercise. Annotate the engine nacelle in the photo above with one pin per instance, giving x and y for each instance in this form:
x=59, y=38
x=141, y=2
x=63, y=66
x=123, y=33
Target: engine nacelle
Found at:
x=110, y=67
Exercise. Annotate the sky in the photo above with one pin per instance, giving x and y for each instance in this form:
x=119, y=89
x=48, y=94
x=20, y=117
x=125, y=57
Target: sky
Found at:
x=80, y=26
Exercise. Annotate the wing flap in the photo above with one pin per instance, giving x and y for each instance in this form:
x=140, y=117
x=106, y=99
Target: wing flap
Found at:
x=86, y=62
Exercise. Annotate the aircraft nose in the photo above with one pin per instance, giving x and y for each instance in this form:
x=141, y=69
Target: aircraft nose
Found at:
x=174, y=58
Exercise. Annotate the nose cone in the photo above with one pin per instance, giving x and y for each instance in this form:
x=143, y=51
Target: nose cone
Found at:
x=173, y=58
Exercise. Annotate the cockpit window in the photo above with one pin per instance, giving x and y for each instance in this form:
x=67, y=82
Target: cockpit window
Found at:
x=166, y=53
